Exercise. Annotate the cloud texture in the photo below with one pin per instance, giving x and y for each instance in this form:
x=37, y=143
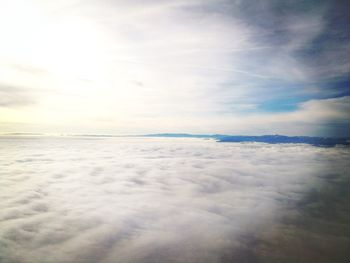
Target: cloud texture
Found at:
x=174, y=66
x=147, y=199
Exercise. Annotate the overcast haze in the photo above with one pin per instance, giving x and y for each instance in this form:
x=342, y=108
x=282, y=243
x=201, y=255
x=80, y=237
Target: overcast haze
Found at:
x=133, y=67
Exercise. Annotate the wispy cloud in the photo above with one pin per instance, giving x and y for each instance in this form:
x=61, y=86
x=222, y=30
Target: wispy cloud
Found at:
x=15, y=97
x=195, y=59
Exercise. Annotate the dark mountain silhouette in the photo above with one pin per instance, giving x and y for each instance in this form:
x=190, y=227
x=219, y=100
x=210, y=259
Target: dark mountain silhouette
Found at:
x=272, y=139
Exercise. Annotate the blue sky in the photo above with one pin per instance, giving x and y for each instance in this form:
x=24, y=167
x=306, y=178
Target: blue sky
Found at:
x=236, y=67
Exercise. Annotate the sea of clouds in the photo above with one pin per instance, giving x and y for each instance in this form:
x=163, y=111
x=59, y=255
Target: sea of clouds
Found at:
x=73, y=199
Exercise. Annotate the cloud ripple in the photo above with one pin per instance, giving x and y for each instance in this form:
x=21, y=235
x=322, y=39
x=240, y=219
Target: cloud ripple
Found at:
x=147, y=199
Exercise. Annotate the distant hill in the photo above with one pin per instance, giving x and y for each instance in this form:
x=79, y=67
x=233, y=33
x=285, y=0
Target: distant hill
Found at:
x=272, y=139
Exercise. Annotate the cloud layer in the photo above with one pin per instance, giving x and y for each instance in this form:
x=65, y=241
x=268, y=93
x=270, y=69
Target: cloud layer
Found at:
x=146, y=199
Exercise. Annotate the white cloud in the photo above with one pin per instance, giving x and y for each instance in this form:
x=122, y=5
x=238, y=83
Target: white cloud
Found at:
x=136, y=67
x=94, y=53
x=145, y=199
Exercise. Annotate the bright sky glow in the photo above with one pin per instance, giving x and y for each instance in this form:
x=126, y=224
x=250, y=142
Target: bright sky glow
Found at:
x=132, y=67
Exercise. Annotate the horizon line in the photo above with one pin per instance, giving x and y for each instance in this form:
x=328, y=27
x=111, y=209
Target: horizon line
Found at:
x=162, y=134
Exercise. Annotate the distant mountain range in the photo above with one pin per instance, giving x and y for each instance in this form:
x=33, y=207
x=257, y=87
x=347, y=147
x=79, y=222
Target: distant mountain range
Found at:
x=272, y=139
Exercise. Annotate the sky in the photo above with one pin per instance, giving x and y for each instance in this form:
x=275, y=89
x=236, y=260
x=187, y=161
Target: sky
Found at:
x=195, y=66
